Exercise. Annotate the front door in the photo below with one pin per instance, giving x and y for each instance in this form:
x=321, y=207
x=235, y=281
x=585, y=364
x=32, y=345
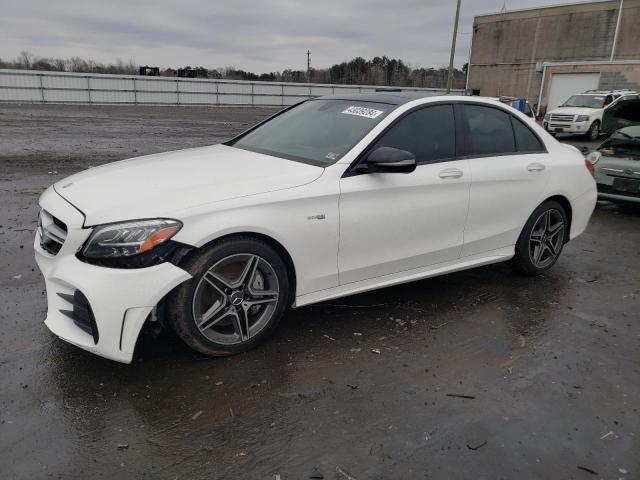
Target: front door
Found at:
x=394, y=222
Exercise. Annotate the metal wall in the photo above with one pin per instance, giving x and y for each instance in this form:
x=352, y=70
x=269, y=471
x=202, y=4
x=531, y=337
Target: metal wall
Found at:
x=60, y=87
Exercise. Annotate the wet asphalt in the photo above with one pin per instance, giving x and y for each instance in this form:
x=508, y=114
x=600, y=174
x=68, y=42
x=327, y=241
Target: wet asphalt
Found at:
x=480, y=374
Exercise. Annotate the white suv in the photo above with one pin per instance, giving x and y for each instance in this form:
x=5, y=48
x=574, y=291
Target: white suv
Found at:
x=582, y=113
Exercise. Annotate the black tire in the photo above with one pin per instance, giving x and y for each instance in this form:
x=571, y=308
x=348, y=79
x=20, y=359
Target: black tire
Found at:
x=523, y=261
x=594, y=131
x=180, y=311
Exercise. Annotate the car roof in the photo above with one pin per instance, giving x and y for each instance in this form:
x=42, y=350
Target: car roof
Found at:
x=398, y=99
x=607, y=92
x=391, y=98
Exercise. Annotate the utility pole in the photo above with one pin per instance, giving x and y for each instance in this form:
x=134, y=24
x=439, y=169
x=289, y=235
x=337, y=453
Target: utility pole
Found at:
x=308, y=66
x=615, y=35
x=453, y=49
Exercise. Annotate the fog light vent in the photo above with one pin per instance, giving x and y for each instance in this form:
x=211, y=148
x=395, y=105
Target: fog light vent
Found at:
x=82, y=315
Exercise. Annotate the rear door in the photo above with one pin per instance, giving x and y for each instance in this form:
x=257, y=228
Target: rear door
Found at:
x=509, y=171
x=393, y=222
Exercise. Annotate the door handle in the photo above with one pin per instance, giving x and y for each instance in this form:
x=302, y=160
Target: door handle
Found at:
x=535, y=167
x=450, y=173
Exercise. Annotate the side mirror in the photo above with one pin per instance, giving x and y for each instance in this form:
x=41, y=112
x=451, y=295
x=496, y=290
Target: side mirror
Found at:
x=391, y=160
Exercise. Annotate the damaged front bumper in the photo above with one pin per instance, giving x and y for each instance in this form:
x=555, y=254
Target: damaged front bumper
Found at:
x=96, y=308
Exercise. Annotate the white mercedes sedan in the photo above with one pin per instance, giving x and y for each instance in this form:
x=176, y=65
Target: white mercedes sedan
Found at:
x=333, y=196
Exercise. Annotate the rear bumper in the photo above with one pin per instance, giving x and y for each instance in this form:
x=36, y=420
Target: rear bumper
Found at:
x=120, y=300
x=582, y=208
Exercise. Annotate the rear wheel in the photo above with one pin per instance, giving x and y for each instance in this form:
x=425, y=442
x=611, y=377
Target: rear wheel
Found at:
x=541, y=240
x=235, y=299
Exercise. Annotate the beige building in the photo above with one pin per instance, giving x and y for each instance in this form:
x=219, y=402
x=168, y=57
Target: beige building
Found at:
x=547, y=54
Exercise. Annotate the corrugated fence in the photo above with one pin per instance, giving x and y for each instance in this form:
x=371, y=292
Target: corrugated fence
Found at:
x=33, y=86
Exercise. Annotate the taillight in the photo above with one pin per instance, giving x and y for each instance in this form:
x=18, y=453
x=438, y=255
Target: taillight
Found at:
x=590, y=167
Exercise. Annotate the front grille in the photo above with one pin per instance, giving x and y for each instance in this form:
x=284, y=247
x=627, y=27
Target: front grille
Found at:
x=53, y=232
x=556, y=117
x=82, y=315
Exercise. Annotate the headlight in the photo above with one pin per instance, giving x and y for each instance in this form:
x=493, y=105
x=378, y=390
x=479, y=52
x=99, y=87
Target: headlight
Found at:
x=126, y=239
x=593, y=157
x=547, y=117
x=582, y=118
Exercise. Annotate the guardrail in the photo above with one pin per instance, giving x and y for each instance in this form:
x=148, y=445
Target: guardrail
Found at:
x=33, y=86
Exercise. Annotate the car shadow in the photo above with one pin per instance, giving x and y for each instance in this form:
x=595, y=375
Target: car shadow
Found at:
x=424, y=306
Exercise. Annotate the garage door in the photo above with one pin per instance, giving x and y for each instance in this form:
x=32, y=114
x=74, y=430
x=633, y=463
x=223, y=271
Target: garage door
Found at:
x=563, y=85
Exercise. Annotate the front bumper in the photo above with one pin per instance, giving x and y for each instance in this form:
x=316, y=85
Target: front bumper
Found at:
x=618, y=198
x=120, y=299
x=610, y=170
x=607, y=192
x=565, y=127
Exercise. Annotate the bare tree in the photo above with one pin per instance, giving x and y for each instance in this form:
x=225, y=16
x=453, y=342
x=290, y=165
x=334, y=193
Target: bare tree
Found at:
x=25, y=59
x=377, y=71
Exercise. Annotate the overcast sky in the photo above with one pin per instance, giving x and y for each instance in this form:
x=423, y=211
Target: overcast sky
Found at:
x=257, y=36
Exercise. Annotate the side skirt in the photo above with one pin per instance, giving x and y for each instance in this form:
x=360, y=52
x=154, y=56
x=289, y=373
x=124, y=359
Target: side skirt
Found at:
x=494, y=256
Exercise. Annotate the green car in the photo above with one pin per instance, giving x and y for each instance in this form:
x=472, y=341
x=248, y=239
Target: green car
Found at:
x=616, y=166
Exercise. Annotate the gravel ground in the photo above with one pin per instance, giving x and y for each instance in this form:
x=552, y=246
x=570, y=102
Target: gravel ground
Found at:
x=481, y=374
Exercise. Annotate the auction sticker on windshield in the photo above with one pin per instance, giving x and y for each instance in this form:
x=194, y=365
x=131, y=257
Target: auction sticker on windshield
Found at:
x=363, y=112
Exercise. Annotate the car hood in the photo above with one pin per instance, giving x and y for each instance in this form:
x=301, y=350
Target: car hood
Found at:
x=157, y=185
x=624, y=143
x=573, y=111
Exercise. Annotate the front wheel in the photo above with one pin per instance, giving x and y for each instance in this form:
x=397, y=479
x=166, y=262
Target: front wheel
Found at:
x=594, y=131
x=541, y=240
x=235, y=299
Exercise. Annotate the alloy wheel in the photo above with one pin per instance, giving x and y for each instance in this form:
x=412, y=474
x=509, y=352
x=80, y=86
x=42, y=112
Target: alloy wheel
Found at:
x=235, y=298
x=547, y=236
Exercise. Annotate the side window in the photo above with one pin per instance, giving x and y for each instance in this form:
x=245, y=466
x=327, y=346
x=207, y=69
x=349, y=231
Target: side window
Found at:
x=526, y=140
x=633, y=111
x=627, y=110
x=620, y=110
x=490, y=131
x=428, y=133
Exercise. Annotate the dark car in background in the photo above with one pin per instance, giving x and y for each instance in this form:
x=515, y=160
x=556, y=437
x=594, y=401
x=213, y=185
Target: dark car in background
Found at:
x=624, y=113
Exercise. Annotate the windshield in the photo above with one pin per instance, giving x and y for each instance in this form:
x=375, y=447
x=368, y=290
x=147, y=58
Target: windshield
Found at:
x=319, y=132
x=588, y=101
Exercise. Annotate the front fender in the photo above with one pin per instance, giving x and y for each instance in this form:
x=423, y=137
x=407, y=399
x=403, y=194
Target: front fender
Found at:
x=305, y=221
